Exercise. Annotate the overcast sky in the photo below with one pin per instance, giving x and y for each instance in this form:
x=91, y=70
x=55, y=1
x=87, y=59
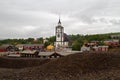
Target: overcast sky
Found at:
x=38, y=18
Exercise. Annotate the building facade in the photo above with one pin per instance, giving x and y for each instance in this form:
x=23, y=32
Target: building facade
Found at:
x=61, y=40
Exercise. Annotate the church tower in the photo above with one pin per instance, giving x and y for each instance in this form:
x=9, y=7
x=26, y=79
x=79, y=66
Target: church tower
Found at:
x=59, y=33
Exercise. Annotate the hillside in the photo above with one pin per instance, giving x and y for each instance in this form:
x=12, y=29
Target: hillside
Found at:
x=87, y=66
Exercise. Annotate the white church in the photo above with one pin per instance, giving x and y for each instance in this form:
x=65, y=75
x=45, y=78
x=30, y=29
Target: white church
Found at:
x=62, y=39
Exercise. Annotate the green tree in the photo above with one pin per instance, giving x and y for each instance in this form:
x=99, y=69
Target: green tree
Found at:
x=40, y=40
x=76, y=45
x=46, y=44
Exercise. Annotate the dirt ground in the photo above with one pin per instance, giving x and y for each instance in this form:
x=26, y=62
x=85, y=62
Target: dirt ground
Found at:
x=87, y=66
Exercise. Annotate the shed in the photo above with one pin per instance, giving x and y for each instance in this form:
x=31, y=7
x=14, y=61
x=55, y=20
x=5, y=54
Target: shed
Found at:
x=29, y=53
x=49, y=55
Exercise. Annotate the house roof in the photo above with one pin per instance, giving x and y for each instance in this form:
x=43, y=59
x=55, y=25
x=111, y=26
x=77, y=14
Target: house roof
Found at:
x=28, y=51
x=56, y=54
x=30, y=45
x=5, y=46
x=45, y=53
x=51, y=53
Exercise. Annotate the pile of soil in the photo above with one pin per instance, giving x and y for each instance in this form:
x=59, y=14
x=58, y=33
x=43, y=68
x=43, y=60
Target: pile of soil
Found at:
x=85, y=66
x=6, y=62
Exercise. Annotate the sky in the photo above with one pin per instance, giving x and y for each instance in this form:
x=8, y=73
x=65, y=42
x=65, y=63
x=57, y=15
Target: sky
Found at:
x=38, y=18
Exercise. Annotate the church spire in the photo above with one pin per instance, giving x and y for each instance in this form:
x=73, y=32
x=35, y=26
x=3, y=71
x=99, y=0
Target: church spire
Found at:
x=59, y=22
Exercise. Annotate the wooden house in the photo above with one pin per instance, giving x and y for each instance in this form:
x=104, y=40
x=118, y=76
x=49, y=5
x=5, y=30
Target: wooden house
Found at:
x=113, y=43
x=100, y=48
x=7, y=47
x=30, y=46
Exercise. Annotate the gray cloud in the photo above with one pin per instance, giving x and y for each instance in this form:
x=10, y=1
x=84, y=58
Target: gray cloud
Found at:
x=38, y=18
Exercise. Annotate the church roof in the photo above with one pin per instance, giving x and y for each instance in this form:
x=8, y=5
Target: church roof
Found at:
x=59, y=24
x=66, y=37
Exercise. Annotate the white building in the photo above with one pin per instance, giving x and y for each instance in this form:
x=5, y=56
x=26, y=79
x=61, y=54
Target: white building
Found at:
x=85, y=48
x=61, y=37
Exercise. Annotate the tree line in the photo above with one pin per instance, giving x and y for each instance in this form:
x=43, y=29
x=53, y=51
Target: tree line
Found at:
x=76, y=41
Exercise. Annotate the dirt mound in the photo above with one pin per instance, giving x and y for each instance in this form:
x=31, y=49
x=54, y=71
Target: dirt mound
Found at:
x=87, y=66
x=6, y=62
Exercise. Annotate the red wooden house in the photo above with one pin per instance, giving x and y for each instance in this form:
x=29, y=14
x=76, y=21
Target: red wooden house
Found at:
x=30, y=46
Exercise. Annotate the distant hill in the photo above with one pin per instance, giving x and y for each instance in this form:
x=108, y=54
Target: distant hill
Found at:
x=86, y=66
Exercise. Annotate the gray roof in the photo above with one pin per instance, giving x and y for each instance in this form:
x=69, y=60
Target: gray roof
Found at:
x=31, y=44
x=66, y=38
x=28, y=51
x=61, y=53
x=45, y=53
